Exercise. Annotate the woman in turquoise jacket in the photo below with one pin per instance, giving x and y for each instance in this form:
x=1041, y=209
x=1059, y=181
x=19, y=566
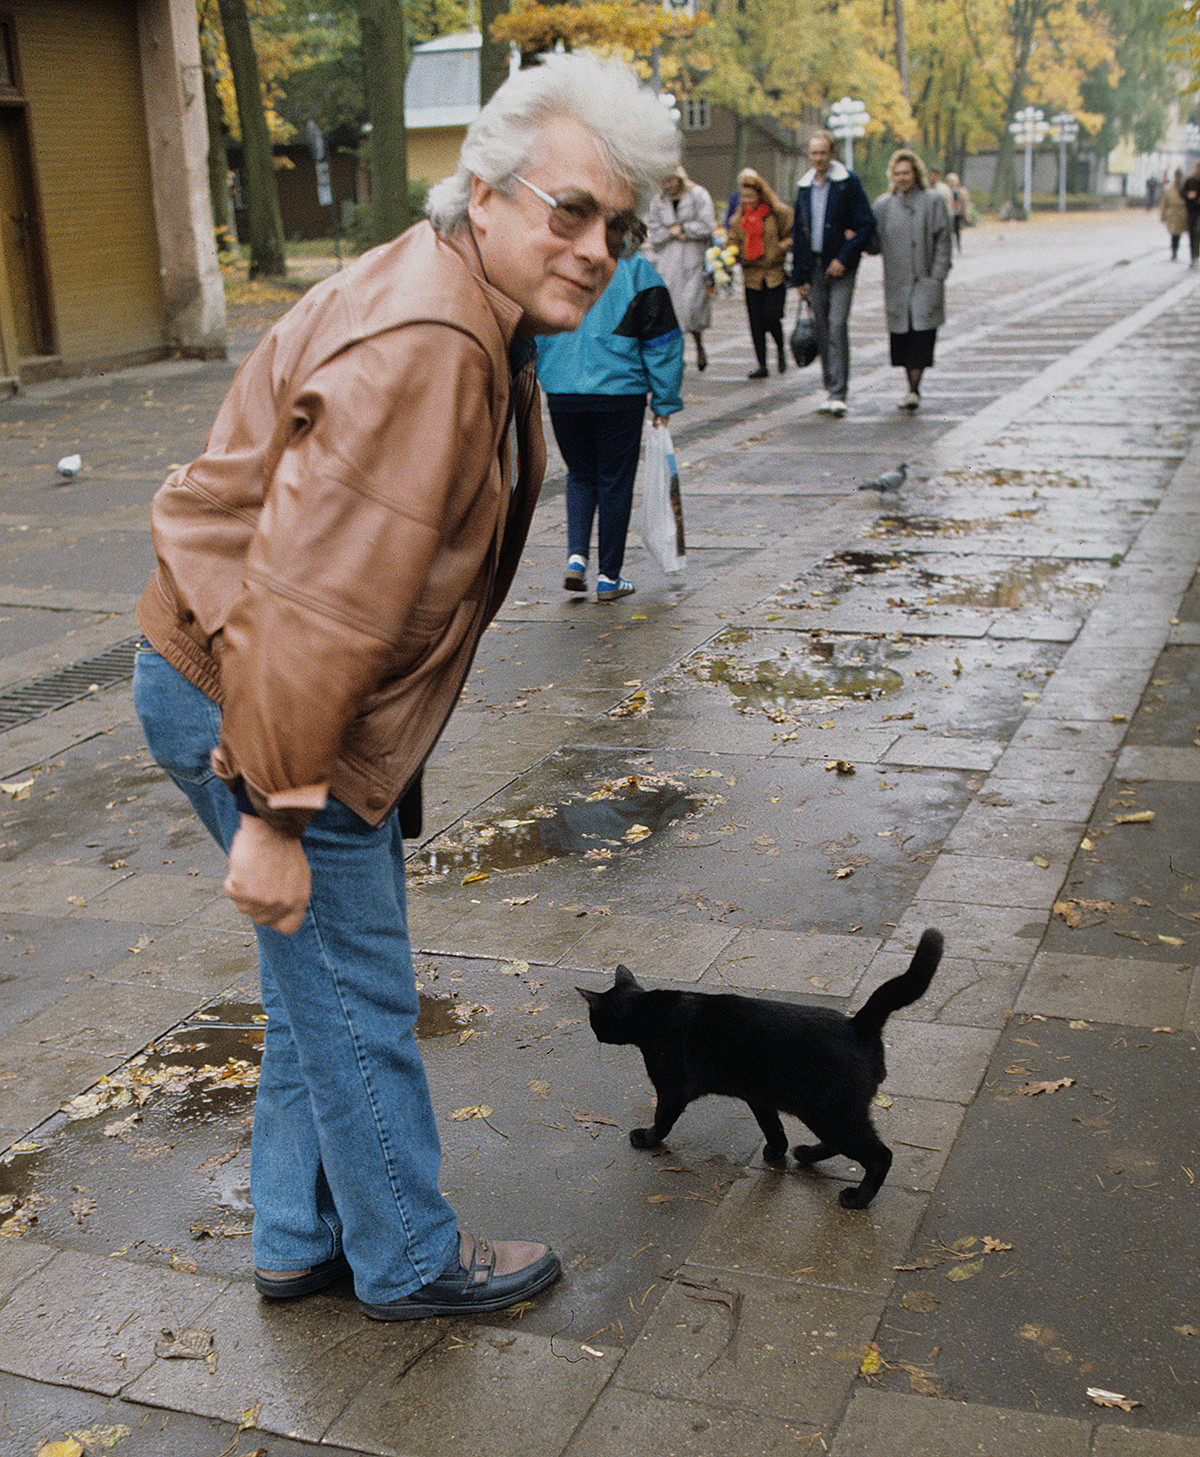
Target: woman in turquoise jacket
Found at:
x=596, y=381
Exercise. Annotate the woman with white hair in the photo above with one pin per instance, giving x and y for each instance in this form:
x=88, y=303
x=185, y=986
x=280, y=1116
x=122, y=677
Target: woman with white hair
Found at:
x=915, y=239
x=326, y=569
x=680, y=228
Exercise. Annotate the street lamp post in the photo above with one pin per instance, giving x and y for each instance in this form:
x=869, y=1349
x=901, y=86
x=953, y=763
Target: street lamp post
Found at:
x=1028, y=127
x=1066, y=129
x=848, y=119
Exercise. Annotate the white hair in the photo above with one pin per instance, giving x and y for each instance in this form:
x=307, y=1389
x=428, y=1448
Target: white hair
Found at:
x=634, y=132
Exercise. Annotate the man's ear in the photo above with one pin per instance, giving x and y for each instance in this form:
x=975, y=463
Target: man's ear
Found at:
x=479, y=206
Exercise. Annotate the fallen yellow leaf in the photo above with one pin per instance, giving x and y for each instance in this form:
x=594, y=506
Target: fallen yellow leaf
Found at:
x=479, y=1110
x=1138, y=817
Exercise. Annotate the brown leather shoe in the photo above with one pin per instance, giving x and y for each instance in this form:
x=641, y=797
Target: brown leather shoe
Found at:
x=488, y=1275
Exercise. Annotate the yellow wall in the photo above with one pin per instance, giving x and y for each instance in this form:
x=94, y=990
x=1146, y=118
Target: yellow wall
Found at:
x=433, y=153
x=81, y=72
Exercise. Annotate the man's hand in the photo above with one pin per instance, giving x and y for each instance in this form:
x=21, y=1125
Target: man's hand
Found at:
x=835, y=270
x=802, y=290
x=269, y=878
x=659, y=420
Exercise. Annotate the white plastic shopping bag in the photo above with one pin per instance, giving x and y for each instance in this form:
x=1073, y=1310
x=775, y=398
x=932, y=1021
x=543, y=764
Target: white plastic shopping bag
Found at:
x=662, y=506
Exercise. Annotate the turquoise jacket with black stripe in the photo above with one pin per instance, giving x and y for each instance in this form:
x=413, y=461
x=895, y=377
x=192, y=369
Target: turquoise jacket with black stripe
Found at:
x=628, y=345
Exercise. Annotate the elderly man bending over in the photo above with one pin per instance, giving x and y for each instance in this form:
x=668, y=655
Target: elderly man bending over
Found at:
x=325, y=571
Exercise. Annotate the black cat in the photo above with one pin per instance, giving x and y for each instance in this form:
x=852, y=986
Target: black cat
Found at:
x=814, y=1063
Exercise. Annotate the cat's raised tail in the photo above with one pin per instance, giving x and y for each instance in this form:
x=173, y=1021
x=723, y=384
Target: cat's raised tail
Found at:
x=902, y=990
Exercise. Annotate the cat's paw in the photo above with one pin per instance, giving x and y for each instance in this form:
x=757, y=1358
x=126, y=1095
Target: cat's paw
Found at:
x=774, y=1153
x=809, y=1153
x=643, y=1138
x=854, y=1198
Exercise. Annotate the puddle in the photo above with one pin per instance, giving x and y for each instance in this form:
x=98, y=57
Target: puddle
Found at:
x=801, y=671
x=915, y=581
x=441, y=1016
x=616, y=815
x=1034, y=480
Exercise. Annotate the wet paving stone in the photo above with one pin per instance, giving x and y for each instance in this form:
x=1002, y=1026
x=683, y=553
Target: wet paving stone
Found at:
x=1057, y=1250
x=778, y=844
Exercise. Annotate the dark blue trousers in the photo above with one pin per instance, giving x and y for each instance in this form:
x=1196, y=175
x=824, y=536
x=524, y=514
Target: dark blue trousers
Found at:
x=600, y=448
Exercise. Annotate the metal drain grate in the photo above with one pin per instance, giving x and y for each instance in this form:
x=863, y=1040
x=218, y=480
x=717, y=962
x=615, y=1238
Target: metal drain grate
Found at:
x=27, y=701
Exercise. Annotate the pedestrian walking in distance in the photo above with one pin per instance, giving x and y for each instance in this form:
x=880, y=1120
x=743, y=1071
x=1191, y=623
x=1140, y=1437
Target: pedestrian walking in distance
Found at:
x=960, y=207
x=680, y=228
x=761, y=229
x=325, y=571
x=916, y=242
x=833, y=221
x=596, y=381
x=1173, y=211
x=1190, y=192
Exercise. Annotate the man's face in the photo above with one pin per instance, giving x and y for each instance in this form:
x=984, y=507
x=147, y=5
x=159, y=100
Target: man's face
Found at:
x=553, y=280
x=820, y=154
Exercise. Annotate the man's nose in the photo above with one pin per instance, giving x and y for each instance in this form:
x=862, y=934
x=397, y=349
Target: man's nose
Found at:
x=593, y=240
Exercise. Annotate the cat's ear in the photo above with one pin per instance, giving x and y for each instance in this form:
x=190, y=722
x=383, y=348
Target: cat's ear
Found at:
x=591, y=998
x=625, y=977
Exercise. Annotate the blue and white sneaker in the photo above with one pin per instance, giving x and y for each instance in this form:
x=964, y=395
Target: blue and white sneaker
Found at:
x=608, y=591
x=575, y=579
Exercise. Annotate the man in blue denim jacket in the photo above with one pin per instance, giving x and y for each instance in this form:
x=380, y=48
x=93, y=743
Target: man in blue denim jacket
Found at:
x=833, y=223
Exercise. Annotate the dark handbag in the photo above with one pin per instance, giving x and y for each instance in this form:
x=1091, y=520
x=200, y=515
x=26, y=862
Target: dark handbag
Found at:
x=804, y=338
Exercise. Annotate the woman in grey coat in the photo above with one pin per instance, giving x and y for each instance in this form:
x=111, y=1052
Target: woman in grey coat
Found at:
x=680, y=228
x=916, y=240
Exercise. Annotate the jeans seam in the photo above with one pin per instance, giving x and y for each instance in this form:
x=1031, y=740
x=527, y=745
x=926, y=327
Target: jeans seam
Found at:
x=368, y=1088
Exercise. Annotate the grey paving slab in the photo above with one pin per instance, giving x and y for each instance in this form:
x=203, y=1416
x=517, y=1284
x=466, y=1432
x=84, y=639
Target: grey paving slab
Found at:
x=967, y=992
x=936, y=1060
x=806, y=964
x=919, y=1426
x=44, y=1418
x=18, y=1260
x=54, y=1328
x=624, y=1422
x=1125, y=1442
x=299, y=1363
x=519, y=1395
x=980, y=933
x=1139, y=762
x=110, y=1020
x=788, y=1351
x=1009, y=832
x=1131, y=991
x=788, y=1226
x=994, y=881
x=662, y=946
x=1074, y=1163
x=36, y=1081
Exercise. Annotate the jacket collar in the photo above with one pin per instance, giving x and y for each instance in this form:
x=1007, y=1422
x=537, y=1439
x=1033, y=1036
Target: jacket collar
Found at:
x=838, y=172
x=508, y=314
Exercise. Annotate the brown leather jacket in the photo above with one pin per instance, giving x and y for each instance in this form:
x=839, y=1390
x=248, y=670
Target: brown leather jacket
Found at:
x=329, y=563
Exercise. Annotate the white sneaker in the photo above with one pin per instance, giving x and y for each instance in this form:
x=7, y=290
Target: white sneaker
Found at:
x=835, y=407
x=911, y=401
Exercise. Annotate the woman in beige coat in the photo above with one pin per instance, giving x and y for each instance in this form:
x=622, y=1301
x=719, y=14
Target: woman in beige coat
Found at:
x=914, y=234
x=1173, y=211
x=761, y=230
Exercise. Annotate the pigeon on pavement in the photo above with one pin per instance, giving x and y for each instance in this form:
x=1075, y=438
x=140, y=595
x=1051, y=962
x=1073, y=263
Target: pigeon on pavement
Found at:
x=890, y=480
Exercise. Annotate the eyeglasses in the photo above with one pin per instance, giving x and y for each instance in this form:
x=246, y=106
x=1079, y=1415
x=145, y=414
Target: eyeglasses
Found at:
x=572, y=214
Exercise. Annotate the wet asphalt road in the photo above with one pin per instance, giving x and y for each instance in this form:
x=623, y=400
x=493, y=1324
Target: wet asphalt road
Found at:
x=968, y=705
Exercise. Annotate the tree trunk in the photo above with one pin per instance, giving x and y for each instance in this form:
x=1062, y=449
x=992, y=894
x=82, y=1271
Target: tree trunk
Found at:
x=385, y=67
x=262, y=197
x=218, y=159
x=493, y=55
x=901, y=49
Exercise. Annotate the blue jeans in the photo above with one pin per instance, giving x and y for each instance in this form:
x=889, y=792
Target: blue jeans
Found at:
x=830, y=299
x=345, y=1152
x=600, y=448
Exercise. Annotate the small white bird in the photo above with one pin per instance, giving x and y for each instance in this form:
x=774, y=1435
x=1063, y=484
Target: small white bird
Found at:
x=891, y=480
